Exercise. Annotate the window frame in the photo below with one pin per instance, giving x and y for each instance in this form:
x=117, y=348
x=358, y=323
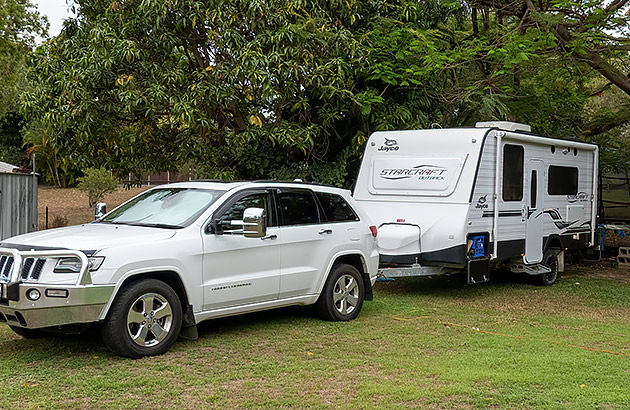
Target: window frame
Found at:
x=551, y=179
x=272, y=218
x=325, y=218
x=318, y=209
x=522, y=174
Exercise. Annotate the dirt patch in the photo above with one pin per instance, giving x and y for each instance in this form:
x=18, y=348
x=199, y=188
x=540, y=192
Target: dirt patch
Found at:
x=603, y=270
x=71, y=204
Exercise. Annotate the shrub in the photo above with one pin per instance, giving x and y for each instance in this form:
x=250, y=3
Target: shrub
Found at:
x=97, y=182
x=57, y=221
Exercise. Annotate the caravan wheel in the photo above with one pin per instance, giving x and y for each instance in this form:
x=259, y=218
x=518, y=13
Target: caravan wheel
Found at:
x=550, y=260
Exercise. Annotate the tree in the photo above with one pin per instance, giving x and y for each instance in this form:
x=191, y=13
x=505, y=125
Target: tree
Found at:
x=249, y=88
x=97, y=182
x=595, y=34
x=285, y=89
x=19, y=24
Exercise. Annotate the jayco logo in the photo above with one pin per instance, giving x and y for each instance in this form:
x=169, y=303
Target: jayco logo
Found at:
x=389, y=145
x=482, y=202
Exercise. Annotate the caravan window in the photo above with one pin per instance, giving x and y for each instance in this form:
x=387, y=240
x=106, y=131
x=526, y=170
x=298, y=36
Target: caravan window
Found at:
x=562, y=180
x=512, y=172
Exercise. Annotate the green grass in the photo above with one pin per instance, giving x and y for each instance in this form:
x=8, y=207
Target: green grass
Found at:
x=422, y=343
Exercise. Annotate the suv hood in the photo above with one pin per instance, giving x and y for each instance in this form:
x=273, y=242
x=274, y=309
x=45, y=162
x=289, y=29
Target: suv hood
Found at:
x=90, y=237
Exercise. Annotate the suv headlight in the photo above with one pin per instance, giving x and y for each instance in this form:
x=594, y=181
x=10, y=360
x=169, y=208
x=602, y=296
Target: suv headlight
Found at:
x=73, y=265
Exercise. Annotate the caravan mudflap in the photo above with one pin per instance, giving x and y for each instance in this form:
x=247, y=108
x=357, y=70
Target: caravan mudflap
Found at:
x=414, y=270
x=478, y=271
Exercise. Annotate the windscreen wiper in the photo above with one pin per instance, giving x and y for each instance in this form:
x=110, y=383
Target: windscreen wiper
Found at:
x=156, y=225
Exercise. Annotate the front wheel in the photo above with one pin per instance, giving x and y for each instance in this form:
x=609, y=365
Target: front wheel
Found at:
x=342, y=296
x=144, y=320
x=550, y=260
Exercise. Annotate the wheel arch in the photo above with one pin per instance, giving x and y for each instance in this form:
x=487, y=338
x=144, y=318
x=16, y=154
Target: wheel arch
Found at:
x=168, y=276
x=358, y=261
x=553, y=242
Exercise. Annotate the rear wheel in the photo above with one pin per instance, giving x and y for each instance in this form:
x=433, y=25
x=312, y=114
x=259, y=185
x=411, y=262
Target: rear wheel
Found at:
x=144, y=320
x=342, y=296
x=550, y=260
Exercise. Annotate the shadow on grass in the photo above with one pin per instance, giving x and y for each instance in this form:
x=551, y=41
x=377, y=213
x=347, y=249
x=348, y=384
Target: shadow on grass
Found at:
x=52, y=347
x=285, y=319
x=454, y=284
x=290, y=316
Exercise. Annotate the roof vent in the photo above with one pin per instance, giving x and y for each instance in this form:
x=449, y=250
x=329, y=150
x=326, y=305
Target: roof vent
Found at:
x=504, y=125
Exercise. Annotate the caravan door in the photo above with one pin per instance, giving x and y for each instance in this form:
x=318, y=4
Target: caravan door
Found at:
x=534, y=207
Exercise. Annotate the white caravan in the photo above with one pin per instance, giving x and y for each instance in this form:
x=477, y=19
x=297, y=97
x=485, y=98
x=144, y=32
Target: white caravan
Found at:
x=446, y=199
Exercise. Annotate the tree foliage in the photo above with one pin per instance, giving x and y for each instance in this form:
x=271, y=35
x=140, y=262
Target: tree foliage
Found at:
x=97, y=182
x=292, y=88
x=591, y=34
x=19, y=24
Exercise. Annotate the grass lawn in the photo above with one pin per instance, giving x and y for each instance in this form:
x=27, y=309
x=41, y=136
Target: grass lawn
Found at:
x=422, y=343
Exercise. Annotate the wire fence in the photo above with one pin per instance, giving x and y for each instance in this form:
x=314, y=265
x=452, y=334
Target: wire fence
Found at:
x=614, y=199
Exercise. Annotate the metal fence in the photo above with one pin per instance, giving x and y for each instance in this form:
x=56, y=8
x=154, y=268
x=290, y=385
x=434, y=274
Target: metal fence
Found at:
x=156, y=178
x=18, y=204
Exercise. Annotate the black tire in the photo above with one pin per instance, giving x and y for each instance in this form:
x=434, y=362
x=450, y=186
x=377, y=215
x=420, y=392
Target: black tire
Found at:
x=550, y=260
x=133, y=313
x=342, y=296
x=28, y=333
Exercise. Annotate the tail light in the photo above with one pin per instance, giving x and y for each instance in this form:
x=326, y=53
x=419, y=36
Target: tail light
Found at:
x=373, y=230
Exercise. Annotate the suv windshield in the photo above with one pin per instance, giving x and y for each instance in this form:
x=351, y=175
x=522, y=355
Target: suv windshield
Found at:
x=163, y=208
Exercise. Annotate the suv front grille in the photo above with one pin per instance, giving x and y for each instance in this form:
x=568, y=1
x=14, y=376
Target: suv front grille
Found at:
x=6, y=262
x=32, y=268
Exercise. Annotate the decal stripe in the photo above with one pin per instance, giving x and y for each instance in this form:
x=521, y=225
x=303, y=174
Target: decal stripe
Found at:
x=488, y=214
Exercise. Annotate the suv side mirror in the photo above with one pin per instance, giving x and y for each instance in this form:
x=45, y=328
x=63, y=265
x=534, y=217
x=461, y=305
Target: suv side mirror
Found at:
x=99, y=210
x=214, y=227
x=254, y=223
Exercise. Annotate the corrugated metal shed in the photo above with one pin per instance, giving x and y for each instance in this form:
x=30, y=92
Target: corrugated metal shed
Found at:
x=18, y=202
x=4, y=167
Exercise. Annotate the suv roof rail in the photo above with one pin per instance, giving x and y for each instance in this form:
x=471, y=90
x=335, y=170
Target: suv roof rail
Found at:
x=295, y=181
x=225, y=181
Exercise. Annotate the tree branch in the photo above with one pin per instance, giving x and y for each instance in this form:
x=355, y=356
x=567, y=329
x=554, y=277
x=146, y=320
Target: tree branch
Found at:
x=615, y=5
x=607, y=122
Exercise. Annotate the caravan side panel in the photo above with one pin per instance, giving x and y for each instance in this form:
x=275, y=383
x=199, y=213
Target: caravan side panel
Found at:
x=565, y=207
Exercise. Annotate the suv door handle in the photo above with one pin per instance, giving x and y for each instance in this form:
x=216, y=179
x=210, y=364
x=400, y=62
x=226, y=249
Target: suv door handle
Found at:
x=325, y=231
x=272, y=237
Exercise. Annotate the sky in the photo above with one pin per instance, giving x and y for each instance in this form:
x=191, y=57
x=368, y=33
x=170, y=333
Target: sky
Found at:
x=56, y=11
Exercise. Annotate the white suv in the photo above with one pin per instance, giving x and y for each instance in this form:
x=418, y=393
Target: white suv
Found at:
x=177, y=254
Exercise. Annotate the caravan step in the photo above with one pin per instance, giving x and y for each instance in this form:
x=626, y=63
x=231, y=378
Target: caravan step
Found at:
x=415, y=270
x=536, y=269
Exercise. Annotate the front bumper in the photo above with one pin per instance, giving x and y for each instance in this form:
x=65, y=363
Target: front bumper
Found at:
x=78, y=301
x=83, y=304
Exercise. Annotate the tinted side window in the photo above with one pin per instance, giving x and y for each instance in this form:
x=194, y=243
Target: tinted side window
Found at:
x=235, y=211
x=512, y=172
x=298, y=208
x=562, y=180
x=336, y=209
